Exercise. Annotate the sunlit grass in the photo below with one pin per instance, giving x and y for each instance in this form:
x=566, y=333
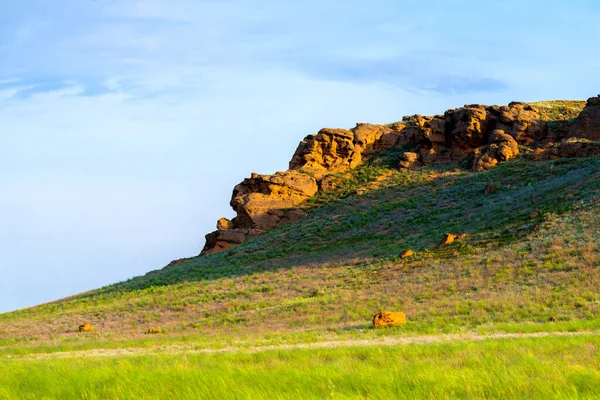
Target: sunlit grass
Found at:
x=550, y=368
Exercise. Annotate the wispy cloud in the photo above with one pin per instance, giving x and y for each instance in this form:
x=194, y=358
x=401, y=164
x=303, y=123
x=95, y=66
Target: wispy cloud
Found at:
x=135, y=118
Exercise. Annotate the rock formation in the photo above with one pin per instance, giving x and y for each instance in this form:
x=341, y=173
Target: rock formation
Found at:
x=587, y=124
x=476, y=136
x=386, y=319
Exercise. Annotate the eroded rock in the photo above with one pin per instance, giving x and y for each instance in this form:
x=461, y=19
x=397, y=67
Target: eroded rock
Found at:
x=387, y=319
x=259, y=201
x=501, y=147
x=587, y=124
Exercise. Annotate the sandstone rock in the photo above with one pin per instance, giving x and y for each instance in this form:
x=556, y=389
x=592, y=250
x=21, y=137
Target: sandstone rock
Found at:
x=568, y=149
x=501, y=147
x=330, y=150
x=224, y=224
x=409, y=160
x=482, y=135
x=520, y=121
x=87, y=327
x=368, y=138
x=447, y=239
x=407, y=253
x=489, y=189
x=258, y=200
x=467, y=126
x=386, y=319
x=428, y=156
x=224, y=239
x=587, y=124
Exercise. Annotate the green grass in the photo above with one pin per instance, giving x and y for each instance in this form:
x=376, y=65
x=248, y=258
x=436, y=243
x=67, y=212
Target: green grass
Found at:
x=549, y=368
x=325, y=276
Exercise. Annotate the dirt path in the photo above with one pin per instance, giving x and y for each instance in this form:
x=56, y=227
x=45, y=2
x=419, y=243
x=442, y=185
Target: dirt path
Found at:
x=386, y=341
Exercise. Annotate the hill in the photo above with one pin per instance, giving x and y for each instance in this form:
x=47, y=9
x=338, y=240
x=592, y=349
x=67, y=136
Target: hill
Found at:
x=315, y=251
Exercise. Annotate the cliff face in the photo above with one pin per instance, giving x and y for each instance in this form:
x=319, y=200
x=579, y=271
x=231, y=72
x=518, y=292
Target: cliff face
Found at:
x=475, y=135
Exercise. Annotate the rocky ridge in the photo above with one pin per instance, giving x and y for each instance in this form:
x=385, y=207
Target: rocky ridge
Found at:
x=476, y=136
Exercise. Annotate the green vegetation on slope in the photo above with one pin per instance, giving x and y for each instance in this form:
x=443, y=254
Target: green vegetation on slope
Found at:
x=331, y=271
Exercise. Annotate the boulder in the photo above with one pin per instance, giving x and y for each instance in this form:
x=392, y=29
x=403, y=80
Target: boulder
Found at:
x=224, y=224
x=330, y=150
x=569, y=148
x=587, y=124
x=519, y=120
x=259, y=201
x=407, y=253
x=501, y=147
x=386, y=319
x=409, y=160
x=466, y=127
x=447, y=239
x=87, y=327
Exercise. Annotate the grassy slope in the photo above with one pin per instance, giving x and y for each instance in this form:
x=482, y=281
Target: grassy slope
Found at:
x=329, y=273
x=323, y=278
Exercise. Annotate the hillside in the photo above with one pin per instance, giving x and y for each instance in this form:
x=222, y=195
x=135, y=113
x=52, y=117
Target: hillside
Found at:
x=529, y=254
x=280, y=302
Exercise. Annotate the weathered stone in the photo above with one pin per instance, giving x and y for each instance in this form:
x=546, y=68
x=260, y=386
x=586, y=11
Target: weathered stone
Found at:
x=387, y=319
x=428, y=156
x=87, y=327
x=447, y=239
x=570, y=148
x=331, y=150
x=501, y=147
x=407, y=253
x=224, y=239
x=224, y=224
x=409, y=160
x=587, y=124
x=258, y=200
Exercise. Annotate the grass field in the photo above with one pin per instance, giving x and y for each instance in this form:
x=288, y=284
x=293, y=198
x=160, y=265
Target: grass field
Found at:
x=549, y=368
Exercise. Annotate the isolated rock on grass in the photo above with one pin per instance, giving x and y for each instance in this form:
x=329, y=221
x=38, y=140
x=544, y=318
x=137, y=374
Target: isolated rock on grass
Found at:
x=452, y=237
x=386, y=318
x=407, y=253
x=87, y=327
x=447, y=239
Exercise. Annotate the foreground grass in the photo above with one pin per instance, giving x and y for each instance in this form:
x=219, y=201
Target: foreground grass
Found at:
x=552, y=367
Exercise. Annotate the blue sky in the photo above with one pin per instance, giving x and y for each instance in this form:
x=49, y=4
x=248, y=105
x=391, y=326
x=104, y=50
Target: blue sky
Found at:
x=125, y=124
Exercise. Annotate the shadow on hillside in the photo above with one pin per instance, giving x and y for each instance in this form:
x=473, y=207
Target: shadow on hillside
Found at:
x=377, y=225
